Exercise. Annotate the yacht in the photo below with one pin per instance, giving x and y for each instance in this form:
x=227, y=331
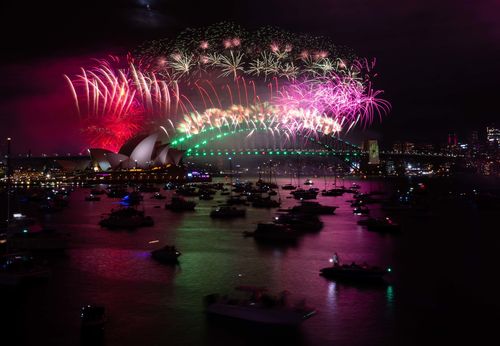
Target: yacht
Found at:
x=259, y=307
x=308, y=207
x=288, y=187
x=180, y=204
x=227, y=212
x=355, y=272
x=308, y=182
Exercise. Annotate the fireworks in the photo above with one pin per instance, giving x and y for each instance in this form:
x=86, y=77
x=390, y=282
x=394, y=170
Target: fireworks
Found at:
x=223, y=76
x=115, y=103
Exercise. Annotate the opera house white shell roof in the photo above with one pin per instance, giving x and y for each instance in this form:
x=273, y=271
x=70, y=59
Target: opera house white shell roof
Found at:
x=144, y=152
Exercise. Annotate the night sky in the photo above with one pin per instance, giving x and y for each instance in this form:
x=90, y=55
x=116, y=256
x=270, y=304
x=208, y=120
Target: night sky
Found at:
x=438, y=60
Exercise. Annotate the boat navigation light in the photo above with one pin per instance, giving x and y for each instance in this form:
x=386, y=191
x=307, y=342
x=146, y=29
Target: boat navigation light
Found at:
x=331, y=260
x=389, y=269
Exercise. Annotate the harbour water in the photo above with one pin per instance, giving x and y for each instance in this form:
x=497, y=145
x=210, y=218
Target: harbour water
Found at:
x=436, y=292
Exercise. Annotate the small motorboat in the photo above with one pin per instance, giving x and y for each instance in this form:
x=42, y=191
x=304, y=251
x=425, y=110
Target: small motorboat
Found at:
x=167, y=254
x=180, y=204
x=288, y=187
x=308, y=182
x=260, y=307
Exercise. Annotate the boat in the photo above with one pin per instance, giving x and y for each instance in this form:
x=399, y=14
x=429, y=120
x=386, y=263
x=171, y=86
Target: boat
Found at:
x=92, y=198
x=93, y=317
x=205, y=196
x=361, y=210
x=126, y=218
x=354, y=272
x=180, y=204
x=148, y=188
x=259, y=307
x=382, y=225
x=158, y=195
x=117, y=193
x=265, y=203
x=304, y=194
x=308, y=207
x=300, y=222
x=133, y=198
x=332, y=192
x=355, y=186
x=308, y=182
x=97, y=191
x=38, y=239
x=19, y=268
x=288, y=187
x=236, y=200
x=167, y=254
x=227, y=212
x=270, y=231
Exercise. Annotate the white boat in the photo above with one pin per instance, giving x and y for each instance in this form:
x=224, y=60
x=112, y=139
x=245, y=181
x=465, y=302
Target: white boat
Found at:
x=260, y=308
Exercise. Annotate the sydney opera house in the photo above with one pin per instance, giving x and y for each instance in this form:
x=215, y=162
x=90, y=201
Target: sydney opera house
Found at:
x=141, y=152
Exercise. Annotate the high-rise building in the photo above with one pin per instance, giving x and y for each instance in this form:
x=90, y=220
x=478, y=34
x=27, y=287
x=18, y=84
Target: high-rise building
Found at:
x=493, y=136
